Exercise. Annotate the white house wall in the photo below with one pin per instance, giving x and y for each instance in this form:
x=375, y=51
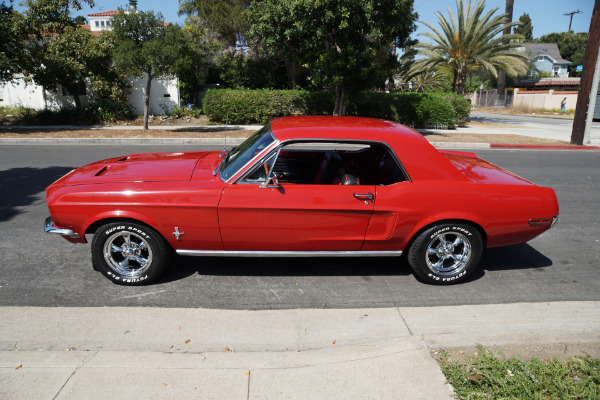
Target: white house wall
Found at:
x=163, y=93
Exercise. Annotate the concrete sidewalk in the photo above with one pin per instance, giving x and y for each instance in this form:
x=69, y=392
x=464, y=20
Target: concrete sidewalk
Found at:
x=125, y=353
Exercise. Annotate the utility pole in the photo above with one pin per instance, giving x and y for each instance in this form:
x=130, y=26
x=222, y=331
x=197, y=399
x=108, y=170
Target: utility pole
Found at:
x=571, y=14
x=582, y=111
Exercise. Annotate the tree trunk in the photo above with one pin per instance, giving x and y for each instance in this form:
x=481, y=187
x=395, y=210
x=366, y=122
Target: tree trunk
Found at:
x=147, y=100
x=75, y=94
x=341, y=94
x=290, y=67
x=501, y=73
x=459, y=82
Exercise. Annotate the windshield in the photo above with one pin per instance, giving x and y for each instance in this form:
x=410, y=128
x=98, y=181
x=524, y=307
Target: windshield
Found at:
x=242, y=154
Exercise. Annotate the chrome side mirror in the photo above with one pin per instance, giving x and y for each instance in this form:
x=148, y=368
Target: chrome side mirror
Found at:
x=270, y=182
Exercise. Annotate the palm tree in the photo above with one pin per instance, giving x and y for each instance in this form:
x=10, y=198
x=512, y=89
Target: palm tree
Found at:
x=471, y=41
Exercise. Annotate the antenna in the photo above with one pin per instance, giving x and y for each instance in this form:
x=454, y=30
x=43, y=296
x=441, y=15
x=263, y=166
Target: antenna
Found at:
x=226, y=126
x=571, y=14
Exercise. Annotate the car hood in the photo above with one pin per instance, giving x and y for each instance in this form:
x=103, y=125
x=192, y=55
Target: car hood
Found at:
x=149, y=167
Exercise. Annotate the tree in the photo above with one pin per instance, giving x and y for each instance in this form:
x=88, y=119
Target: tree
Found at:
x=145, y=46
x=471, y=41
x=80, y=20
x=505, y=32
x=45, y=18
x=10, y=41
x=339, y=42
x=202, y=46
x=571, y=46
x=75, y=58
x=223, y=16
x=525, y=29
x=43, y=25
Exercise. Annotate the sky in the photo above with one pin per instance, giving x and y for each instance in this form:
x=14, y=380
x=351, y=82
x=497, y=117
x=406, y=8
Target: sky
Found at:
x=546, y=15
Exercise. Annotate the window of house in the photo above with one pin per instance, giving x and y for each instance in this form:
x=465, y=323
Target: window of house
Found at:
x=102, y=23
x=555, y=70
x=97, y=24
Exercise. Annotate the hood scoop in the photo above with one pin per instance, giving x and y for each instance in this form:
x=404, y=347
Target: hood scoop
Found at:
x=102, y=171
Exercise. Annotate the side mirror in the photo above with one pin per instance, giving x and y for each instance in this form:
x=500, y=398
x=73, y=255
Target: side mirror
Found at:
x=270, y=182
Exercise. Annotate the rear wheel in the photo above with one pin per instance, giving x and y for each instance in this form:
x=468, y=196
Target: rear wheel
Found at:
x=129, y=253
x=446, y=253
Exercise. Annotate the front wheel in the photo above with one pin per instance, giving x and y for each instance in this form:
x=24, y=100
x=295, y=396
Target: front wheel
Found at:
x=129, y=253
x=446, y=253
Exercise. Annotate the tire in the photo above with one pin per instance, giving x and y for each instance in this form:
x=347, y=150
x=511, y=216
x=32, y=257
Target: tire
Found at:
x=446, y=253
x=129, y=253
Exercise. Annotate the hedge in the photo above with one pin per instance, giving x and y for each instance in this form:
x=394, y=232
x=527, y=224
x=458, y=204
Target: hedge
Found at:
x=261, y=106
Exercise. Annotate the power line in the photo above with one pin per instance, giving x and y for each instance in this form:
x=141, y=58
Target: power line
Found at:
x=571, y=15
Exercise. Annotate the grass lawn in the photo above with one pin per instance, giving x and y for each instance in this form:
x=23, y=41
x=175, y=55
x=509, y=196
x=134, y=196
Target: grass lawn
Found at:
x=486, y=375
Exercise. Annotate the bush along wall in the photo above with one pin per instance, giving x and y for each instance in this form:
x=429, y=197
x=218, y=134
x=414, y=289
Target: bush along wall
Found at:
x=261, y=106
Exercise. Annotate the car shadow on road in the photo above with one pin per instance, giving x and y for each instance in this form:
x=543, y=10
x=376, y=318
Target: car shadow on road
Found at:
x=516, y=257
x=183, y=267
x=19, y=187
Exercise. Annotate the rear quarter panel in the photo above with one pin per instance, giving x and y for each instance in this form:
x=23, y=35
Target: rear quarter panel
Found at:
x=502, y=211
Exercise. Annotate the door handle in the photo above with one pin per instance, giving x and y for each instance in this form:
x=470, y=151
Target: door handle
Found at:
x=364, y=196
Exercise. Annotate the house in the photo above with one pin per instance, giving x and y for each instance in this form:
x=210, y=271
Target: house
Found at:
x=164, y=94
x=556, y=84
x=100, y=21
x=546, y=57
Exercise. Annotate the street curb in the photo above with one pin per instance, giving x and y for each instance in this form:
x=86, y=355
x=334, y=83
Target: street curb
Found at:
x=541, y=147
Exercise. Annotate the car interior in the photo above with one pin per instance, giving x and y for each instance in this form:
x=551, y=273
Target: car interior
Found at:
x=331, y=164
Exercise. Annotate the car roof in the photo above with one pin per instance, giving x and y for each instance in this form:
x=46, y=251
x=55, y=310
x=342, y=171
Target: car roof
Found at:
x=335, y=128
x=420, y=159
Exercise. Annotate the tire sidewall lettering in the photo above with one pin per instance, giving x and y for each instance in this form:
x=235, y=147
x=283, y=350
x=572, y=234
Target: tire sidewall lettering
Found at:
x=447, y=278
x=126, y=228
x=451, y=229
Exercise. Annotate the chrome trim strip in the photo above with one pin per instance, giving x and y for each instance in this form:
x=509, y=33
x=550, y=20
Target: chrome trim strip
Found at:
x=243, y=253
x=50, y=228
x=554, y=221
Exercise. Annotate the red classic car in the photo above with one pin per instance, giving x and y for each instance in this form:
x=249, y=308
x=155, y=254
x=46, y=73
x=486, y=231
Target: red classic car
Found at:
x=301, y=186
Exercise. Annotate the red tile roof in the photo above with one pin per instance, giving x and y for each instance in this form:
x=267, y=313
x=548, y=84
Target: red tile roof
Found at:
x=104, y=14
x=548, y=82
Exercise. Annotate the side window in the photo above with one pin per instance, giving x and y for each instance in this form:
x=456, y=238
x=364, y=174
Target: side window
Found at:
x=330, y=163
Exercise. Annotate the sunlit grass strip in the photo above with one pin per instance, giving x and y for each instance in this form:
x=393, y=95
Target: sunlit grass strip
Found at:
x=491, y=376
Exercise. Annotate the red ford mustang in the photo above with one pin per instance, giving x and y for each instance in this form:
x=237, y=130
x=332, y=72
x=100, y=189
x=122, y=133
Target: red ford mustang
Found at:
x=301, y=186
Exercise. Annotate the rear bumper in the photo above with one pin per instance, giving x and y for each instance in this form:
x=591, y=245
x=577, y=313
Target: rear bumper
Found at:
x=50, y=228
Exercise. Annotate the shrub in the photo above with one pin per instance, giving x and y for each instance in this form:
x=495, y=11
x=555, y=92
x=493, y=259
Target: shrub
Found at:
x=96, y=114
x=461, y=106
x=184, y=111
x=435, y=109
x=260, y=106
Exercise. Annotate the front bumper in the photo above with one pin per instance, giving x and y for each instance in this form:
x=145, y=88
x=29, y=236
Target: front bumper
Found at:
x=50, y=228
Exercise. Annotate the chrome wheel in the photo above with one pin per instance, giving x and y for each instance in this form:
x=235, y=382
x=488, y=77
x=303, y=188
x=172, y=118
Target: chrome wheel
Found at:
x=128, y=254
x=448, y=253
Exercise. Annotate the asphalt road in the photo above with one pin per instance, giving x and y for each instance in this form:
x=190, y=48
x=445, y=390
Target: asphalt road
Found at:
x=37, y=269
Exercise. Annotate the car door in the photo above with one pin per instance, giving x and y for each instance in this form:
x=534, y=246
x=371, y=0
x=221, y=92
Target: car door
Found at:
x=294, y=216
